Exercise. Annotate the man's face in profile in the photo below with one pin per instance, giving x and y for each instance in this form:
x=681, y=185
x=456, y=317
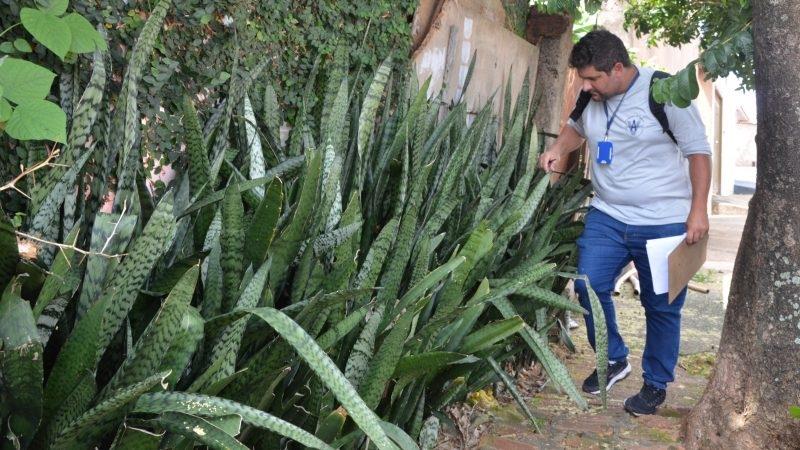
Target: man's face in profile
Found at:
x=600, y=84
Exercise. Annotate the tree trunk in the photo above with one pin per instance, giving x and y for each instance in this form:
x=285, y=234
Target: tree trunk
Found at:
x=757, y=375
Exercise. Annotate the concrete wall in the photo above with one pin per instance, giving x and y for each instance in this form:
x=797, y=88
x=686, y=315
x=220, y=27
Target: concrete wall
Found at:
x=456, y=29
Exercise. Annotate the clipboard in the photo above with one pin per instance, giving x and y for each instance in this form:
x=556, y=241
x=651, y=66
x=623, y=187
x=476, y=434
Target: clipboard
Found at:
x=684, y=261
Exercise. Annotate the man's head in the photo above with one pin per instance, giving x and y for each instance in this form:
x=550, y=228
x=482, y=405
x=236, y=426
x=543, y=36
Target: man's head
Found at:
x=603, y=64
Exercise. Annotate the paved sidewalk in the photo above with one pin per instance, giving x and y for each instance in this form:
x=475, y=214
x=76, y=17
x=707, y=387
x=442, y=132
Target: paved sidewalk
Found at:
x=568, y=427
x=565, y=426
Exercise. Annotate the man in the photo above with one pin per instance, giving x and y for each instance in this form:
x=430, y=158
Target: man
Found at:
x=646, y=186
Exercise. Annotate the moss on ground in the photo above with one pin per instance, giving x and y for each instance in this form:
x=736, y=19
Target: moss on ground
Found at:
x=698, y=364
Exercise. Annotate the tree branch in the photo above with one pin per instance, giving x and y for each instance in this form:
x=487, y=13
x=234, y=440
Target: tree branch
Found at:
x=25, y=172
x=65, y=246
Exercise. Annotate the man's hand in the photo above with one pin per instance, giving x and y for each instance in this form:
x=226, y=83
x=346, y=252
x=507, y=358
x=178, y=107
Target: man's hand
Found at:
x=548, y=159
x=696, y=226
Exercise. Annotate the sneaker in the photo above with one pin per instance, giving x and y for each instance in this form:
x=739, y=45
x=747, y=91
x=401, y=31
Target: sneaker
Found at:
x=646, y=401
x=617, y=371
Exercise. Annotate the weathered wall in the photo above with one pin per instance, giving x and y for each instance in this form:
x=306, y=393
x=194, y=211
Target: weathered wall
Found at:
x=456, y=29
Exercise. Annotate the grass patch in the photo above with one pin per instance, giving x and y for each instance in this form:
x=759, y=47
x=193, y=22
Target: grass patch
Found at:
x=699, y=363
x=705, y=276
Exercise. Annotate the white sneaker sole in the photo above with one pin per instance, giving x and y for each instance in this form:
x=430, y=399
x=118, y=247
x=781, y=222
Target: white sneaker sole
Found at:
x=618, y=377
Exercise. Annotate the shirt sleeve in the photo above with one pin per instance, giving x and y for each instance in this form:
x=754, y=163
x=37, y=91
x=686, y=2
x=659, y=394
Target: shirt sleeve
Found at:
x=688, y=129
x=577, y=125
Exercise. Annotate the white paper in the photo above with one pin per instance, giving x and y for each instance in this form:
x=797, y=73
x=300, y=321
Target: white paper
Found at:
x=658, y=251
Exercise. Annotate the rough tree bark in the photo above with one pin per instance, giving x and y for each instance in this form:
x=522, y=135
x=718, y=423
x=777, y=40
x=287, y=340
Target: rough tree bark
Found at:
x=757, y=375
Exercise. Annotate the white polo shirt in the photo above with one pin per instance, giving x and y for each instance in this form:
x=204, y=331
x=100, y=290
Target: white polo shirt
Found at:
x=647, y=182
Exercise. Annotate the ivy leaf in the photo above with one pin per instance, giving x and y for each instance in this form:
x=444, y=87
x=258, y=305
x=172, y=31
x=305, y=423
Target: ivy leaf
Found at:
x=48, y=29
x=710, y=62
x=38, y=119
x=22, y=45
x=694, y=88
x=677, y=97
x=687, y=83
x=5, y=110
x=7, y=48
x=85, y=39
x=24, y=81
x=658, y=91
x=55, y=7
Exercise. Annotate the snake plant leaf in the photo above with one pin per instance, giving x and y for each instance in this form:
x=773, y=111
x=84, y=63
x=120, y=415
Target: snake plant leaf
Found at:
x=430, y=280
x=199, y=166
x=285, y=168
x=45, y=217
x=601, y=339
x=111, y=234
x=425, y=363
x=360, y=355
x=366, y=121
x=232, y=242
x=159, y=335
x=94, y=332
x=133, y=438
x=514, y=392
x=491, y=334
x=383, y=364
x=209, y=406
x=226, y=349
x=373, y=262
x=331, y=426
x=399, y=436
x=88, y=106
x=286, y=246
x=137, y=65
x=97, y=421
x=271, y=117
x=429, y=435
x=21, y=366
x=327, y=371
x=60, y=280
x=9, y=251
x=550, y=298
x=200, y=430
x=187, y=339
x=554, y=367
x=263, y=226
x=77, y=402
x=47, y=322
x=258, y=167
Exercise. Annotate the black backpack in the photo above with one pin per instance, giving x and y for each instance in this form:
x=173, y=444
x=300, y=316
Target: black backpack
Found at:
x=657, y=109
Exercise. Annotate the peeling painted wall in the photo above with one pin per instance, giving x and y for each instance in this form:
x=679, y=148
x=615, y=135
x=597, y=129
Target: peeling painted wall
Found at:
x=460, y=28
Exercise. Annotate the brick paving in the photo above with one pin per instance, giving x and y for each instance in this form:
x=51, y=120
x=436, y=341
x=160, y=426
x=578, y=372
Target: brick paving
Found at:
x=567, y=427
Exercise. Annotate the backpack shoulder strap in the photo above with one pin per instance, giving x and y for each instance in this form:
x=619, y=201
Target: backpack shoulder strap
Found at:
x=658, y=108
x=580, y=105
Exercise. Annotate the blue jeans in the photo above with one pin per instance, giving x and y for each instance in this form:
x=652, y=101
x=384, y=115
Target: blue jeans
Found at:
x=604, y=249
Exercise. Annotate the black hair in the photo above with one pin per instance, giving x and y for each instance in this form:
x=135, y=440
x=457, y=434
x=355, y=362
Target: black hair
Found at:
x=601, y=49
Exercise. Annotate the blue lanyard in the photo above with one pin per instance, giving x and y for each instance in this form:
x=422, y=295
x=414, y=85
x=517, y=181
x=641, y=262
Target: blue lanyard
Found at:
x=610, y=120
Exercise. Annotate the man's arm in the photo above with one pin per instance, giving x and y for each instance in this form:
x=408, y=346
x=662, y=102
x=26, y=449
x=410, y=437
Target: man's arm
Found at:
x=568, y=140
x=700, y=177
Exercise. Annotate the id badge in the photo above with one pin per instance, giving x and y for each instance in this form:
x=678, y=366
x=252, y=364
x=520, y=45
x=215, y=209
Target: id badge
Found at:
x=605, y=152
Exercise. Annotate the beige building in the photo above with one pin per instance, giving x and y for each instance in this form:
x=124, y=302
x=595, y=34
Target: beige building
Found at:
x=447, y=33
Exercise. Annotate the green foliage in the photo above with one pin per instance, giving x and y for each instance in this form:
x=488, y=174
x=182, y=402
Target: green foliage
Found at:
x=575, y=8
x=278, y=293
x=26, y=84
x=724, y=31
